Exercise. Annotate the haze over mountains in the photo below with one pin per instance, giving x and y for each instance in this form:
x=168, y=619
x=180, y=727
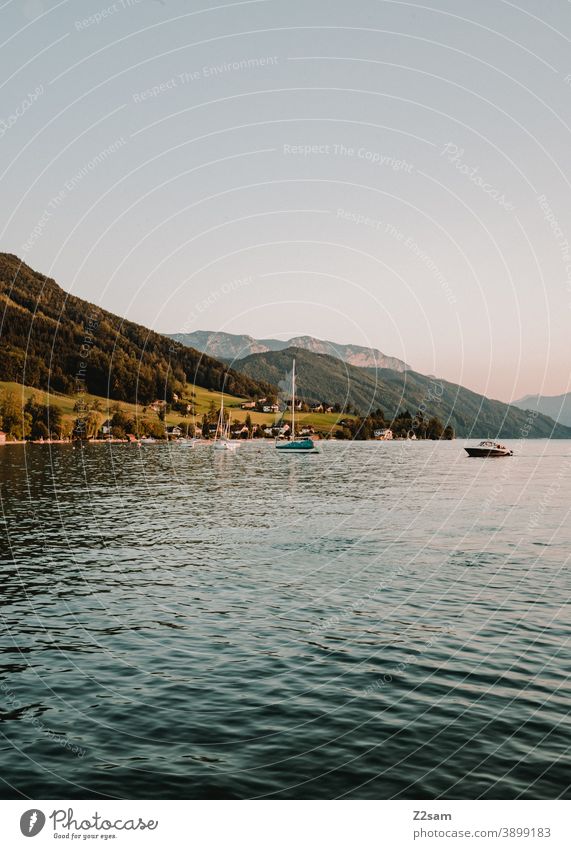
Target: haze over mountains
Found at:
x=231, y=346
x=558, y=407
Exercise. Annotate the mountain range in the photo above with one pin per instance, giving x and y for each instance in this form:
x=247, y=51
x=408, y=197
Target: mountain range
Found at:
x=52, y=340
x=324, y=378
x=231, y=347
x=558, y=407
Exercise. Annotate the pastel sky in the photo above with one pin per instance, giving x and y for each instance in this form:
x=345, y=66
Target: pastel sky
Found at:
x=393, y=174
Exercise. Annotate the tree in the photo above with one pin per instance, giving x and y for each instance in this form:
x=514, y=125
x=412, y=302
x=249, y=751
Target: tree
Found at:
x=249, y=425
x=122, y=424
x=186, y=428
x=448, y=432
x=40, y=431
x=435, y=429
x=16, y=421
x=91, y=424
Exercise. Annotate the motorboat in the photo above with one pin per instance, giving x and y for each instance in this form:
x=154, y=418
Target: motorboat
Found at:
x=489, y=448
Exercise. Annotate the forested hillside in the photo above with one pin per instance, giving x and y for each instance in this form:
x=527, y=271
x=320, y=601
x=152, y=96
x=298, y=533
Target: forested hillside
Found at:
x=50, y=339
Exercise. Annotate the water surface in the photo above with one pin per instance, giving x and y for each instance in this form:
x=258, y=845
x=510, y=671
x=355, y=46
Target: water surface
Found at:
x=379, y=621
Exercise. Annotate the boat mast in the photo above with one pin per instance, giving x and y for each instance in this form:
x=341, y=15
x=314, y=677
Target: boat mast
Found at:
x=220, y=429
x=292, y=435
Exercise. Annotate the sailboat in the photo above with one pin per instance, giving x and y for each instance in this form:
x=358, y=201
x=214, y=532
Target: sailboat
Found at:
x=222, y=435
x=291, y=445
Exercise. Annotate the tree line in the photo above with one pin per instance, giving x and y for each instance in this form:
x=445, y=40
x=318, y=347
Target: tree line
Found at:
x=403, y=425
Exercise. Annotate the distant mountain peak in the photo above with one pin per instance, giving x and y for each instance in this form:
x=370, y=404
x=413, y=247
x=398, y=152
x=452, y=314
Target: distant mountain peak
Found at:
x=558, y=407
x=232, y=346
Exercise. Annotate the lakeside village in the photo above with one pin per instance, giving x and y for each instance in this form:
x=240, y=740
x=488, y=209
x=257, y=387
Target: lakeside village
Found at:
x=99, y=420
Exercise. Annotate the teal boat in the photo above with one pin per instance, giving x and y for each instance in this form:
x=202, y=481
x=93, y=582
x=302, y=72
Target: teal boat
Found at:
x=291, y=445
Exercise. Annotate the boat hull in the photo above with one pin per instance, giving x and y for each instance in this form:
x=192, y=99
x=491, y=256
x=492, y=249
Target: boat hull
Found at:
x=221, y=445
x=488, y=452
x=304, y=446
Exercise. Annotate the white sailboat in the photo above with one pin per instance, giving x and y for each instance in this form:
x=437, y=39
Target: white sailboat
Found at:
x=291, y=445
x=222, y=436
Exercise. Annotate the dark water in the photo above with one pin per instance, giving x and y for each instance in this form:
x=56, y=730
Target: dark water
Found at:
x=383, y=620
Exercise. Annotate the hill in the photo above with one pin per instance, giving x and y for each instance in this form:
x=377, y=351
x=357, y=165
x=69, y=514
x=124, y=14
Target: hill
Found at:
x=50, y=339
x=324, y=378
x=231, y=346
x=558, y=407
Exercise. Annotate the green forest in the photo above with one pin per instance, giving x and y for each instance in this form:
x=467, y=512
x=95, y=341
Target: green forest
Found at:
x=52, y=340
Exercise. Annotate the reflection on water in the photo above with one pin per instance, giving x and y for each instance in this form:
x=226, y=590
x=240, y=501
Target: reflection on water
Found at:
x=382, y=620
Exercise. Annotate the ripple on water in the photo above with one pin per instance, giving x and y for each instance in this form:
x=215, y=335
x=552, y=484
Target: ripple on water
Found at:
x=358, y=626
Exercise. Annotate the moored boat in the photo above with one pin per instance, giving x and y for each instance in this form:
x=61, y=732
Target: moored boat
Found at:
x=222, y=436
x=297, y=446
x=291, y=445
x=489, y=448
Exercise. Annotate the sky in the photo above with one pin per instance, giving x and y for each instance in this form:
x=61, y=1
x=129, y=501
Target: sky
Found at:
x=392, y=174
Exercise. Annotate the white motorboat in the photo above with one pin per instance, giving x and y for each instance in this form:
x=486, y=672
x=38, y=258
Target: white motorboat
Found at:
x=489, y=448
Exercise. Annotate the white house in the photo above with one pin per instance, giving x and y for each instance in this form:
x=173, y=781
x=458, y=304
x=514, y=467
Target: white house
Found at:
x=106, y=428
x=385, y=433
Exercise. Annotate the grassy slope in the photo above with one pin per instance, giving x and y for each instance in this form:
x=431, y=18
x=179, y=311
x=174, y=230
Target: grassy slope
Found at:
x=202, y=400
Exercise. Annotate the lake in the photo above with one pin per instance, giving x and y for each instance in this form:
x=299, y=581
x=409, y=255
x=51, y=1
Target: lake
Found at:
x=383, y=620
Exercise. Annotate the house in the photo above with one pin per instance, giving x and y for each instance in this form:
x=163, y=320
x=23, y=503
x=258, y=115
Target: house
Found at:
x=2, y=437
x=240, y=431
x=317, y=408
x=106, y=428
x=270, y=408
x=174, y=432
x=384, y=433
x=249, y=405
x=157, y=406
